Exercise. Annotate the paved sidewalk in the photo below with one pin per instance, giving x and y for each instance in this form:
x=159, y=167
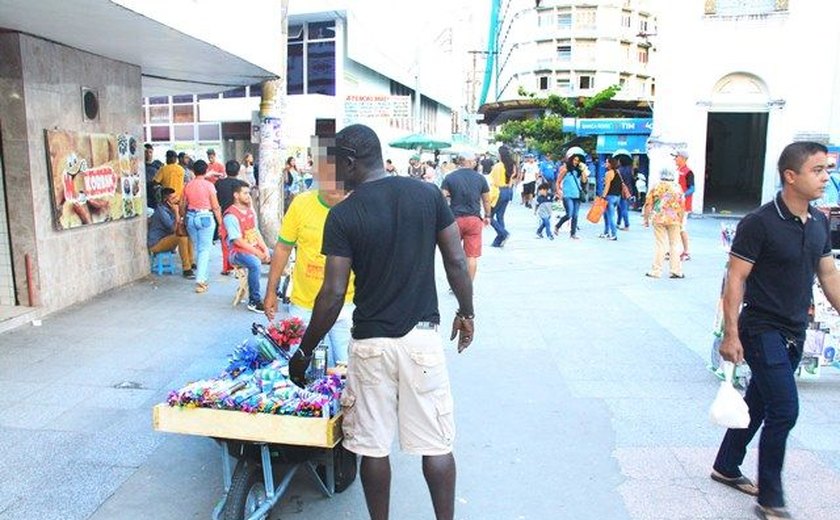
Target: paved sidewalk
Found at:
x=585, y=395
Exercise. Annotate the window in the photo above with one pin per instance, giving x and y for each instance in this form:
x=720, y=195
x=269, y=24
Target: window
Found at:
x=321, y=31
x=160, y=133
x=564, y=21
x=643, y=25
x=255, y=90
x=294, y=69
x=586, y=82
x=542, y=81
x=625, y=20
x=626, y=49
x=545, y=19
x=622, y=82
x=564, y=52
x=159, y=114
x=183, y=114
x=209, y=132
x=160, y=100
x=643, y=55
x=653, y=88
x=320, y=68
x=585, y=50
x=310, y=66
x=184, y=132
x=563, y=85
x=182, y=99
x=585, y=18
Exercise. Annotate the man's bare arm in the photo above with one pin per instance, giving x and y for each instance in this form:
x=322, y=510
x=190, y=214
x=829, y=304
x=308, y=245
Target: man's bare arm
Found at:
x=733, y=299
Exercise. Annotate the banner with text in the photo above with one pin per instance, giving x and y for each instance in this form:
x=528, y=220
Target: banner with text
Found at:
x=392, y=110
x=94, y=177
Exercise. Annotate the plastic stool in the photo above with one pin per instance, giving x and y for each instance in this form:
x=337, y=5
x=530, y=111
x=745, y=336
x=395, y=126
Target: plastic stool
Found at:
x=163, y=263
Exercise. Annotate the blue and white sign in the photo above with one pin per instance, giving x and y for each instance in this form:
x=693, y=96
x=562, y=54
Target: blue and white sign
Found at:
x=614, y=126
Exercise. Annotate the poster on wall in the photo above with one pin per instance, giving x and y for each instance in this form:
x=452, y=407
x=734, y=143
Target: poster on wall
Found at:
x=95, y=178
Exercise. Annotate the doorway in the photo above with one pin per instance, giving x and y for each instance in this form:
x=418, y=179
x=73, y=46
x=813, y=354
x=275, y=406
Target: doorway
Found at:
x=735, y=148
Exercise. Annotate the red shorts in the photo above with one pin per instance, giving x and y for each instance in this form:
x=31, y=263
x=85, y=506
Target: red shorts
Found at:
x=471, y=229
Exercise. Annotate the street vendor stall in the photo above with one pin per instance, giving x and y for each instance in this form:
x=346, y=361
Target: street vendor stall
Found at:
x=262, y=419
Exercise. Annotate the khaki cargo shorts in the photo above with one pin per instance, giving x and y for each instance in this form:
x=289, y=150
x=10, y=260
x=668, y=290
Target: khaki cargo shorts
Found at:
x=398, y=383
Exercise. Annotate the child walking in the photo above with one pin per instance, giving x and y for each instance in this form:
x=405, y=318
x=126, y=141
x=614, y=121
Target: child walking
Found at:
x=543, y=211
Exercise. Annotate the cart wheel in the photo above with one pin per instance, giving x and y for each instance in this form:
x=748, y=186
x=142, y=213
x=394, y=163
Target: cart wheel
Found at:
x=247, y=491
x=345, y=468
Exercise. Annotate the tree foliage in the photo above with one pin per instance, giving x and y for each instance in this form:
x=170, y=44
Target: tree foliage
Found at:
x=545, y=133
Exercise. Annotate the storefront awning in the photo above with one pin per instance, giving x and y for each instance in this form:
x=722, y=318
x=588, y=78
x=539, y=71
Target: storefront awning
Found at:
x=171, y=62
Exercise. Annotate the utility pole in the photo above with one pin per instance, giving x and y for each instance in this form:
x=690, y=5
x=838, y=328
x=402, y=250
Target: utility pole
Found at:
x=271, y=144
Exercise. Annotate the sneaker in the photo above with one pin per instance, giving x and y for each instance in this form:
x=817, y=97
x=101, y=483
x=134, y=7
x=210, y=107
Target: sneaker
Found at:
x=256, y=307
x=575, y=237
x=675, y=275
x=685, y=257
x=502, y=243
x=539, y=236
x=612, y=238
x=225, y=273
x=551, y=237
x=193, y=267
x=651, y=275
x=189, y=274
x=603, y=235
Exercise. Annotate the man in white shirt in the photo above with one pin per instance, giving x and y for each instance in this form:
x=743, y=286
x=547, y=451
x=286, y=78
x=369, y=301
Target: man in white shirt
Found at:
x=530, y=170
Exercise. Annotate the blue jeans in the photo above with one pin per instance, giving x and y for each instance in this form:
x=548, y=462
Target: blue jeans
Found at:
x=624, y=211
x=200, y=226
x=572, y=209
x=610, y=215
x=545, y=224
x=774, y=401
x=252, y=264
x=337, y=339
x=497, y=219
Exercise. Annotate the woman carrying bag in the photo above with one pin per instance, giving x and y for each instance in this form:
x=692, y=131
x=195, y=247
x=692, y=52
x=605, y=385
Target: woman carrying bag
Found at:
x=612, y=192
x=502, y=177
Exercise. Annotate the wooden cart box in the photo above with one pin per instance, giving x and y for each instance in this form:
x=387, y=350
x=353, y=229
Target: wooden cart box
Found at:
x=256, y=427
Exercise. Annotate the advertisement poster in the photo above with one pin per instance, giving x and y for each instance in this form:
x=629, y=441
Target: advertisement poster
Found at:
x=94, y=177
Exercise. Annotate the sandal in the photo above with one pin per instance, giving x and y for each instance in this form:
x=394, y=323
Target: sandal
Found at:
x=201, y=287
x=742, y=483
x=771, y=513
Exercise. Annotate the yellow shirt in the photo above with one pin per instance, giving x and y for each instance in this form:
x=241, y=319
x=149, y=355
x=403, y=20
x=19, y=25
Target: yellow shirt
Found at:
x=496, y=181
x=171, y=176
x=303, y=227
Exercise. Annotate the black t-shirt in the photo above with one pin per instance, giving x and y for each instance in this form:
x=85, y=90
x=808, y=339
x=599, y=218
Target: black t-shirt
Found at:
x=389, y=228
x=487, y=165
x=224, y=191
x=784, y=252
x=465, y=188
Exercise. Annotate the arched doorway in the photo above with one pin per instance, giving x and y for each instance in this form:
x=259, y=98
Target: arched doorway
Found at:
x=736, y=142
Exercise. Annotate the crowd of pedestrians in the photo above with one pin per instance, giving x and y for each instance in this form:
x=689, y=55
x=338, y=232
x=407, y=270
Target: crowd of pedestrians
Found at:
x=364, y=234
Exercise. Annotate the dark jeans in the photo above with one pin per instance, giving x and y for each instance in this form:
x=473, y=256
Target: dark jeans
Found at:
x=773, y=400
x=623, y=212
x=572, y=209
x=497, y=220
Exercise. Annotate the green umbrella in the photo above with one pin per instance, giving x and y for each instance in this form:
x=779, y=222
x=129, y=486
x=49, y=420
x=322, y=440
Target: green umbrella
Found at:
x=419, y=142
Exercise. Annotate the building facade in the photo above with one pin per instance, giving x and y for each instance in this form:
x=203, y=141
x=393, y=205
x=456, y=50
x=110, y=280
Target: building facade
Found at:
x=72, y=223
x=766, y=74
x=574, y=48
x=334, y=77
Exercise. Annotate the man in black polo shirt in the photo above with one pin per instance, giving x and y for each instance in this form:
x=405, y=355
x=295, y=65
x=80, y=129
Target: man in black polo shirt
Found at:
x=387, y=230
x=467, y=191
x=776, y=252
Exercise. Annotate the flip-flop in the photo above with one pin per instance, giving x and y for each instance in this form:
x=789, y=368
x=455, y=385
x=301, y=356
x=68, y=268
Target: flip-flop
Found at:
x=772, y=513
x=742, y=483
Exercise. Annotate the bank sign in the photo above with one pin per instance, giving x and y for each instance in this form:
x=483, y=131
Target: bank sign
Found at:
x=608, y=126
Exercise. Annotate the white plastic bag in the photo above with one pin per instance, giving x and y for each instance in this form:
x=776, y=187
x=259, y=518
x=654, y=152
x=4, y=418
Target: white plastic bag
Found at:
x=729, y=409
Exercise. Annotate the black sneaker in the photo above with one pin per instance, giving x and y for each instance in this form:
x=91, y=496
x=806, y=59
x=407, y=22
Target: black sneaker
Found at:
x=256, y=307
x=189, y=274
